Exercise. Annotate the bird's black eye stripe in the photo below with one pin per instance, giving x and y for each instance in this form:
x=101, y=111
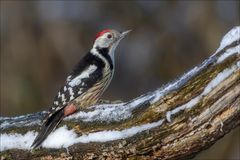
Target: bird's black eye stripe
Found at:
x=109, y=36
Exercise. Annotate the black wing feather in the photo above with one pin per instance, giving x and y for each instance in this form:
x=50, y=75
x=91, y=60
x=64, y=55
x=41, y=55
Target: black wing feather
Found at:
x=87, y=83
x=47, y=127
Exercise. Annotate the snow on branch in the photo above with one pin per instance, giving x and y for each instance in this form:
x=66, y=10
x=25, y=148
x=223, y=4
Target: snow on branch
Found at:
x=174, y=121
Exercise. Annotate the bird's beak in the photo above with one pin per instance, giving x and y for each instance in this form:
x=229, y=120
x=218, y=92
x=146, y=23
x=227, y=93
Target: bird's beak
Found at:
x=123, y=34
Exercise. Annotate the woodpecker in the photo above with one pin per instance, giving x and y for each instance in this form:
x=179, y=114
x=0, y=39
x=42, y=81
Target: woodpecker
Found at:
x=85, y=84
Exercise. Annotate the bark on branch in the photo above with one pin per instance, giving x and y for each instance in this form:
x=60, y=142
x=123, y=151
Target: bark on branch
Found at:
x=176, y=121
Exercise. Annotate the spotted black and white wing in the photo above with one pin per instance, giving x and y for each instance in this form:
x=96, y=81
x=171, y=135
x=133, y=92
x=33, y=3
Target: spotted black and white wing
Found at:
x=86, y=73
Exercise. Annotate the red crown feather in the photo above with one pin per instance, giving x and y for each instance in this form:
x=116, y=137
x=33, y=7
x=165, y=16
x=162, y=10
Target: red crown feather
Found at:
x=102, y=32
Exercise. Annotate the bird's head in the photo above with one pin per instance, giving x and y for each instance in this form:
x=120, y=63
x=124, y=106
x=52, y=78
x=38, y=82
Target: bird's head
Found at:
x=109, y=38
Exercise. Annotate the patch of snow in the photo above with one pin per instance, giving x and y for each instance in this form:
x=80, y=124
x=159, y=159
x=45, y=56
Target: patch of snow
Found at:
x=171, y=86
x=219, y=78
x=104, y=136
x=110, y=112
x=24, y=120
x=6, y=124
x=163, y=91
x=238, y=64
x=192, y=103
x=231, y=36
x=210, y=86
x=62, y=137
x=105, y=114
x=9, y=141
x=188, y=105
x=176, y=84
x=229, y=52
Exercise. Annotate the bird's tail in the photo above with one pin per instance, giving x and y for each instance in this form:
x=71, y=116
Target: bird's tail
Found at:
x=49, y=125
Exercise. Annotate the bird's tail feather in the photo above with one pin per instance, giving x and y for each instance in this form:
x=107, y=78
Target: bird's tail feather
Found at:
x=48, y=126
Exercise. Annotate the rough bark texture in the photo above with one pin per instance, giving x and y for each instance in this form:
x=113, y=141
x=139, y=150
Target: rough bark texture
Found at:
x=189, y=130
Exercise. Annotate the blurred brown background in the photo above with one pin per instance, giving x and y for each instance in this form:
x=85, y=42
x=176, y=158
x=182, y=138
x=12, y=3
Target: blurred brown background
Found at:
x=42, y=40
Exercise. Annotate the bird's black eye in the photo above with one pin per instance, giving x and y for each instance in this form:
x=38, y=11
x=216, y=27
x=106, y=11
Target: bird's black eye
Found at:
x=109, y=36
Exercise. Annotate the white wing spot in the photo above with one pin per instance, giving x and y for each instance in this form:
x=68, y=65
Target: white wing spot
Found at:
x=71, y=98
x=71, y=93
x=63, y=98
x=80, y=91
x=56, y=102
x=69, y=78
x=85, y=74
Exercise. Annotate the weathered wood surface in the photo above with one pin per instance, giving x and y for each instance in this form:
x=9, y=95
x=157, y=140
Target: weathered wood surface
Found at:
x=186, y=116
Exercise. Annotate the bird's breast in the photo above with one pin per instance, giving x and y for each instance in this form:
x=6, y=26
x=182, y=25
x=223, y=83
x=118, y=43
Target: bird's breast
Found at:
x=92, y=95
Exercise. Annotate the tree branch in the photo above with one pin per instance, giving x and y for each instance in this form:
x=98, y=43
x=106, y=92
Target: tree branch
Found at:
x=176, y=121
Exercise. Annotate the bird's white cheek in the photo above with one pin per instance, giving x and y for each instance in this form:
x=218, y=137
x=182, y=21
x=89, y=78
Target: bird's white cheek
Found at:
x=102, y=43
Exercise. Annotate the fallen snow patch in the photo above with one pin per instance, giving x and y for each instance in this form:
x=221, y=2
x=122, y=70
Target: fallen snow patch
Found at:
x=105, y=136
x=229, y=52
x=62, y=137
x=24, y=120
x=111, y=112
x=231, y=36
x=219, y=78
x=211, y=85
x=171, y=86
x=9, y=141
